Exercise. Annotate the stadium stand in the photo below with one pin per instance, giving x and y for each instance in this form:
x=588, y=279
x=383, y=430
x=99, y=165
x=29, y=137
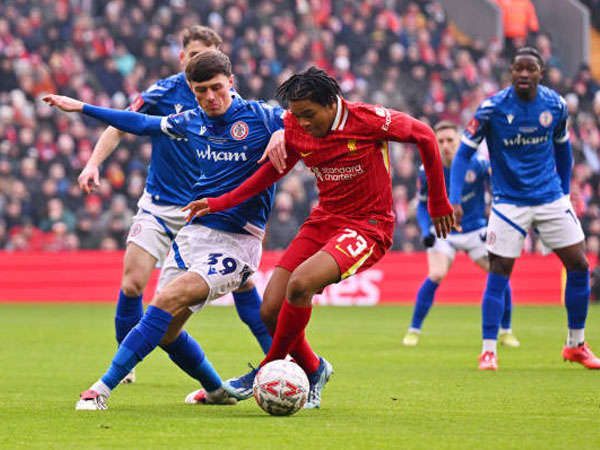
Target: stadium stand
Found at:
x=401, y=54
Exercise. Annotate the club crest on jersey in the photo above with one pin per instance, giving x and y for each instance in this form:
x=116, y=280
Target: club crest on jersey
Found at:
x=545, y=118
x=239, y=130
x=491, y=238
x=472, y=127
x=136, y=229
x=470, y=176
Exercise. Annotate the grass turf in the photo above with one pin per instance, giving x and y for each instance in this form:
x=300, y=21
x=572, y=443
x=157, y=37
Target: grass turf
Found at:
x=382, y=395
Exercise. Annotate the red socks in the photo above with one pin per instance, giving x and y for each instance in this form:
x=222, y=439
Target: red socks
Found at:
x=289, y=337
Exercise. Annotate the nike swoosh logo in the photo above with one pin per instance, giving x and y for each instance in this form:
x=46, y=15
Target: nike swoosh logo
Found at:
x=304, y=155
x=340, y=249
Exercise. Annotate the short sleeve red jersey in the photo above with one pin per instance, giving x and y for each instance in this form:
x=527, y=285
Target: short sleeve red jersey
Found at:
x=351, y=163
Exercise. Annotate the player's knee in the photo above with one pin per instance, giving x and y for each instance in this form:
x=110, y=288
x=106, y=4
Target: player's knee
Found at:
x=299, y=290
x=168, y=301
x=132, y=287
x=578, y=265
x=436, y=276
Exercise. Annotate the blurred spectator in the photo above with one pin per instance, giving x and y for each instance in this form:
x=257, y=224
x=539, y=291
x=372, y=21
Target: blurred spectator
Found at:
x=283, y=226
x=519, y=19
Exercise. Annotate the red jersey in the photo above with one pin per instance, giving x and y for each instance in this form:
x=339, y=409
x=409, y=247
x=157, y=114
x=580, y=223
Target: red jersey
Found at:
x=351, y=162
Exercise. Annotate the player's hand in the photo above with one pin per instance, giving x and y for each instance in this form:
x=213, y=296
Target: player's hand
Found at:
x=429, y=240
x=276, y=151
x=197, y=208
x=443, y=225
x=458, y=216
x=67, y=104
x=89, y=178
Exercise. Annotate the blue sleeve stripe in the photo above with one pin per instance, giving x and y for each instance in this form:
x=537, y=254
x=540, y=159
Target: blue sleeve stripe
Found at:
x=510, y=222
x=465, y=140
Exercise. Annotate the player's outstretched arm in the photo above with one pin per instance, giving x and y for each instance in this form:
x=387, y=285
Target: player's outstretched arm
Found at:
x=276, y=151
x=129, y=121
x=89, y=178
x=258, y=182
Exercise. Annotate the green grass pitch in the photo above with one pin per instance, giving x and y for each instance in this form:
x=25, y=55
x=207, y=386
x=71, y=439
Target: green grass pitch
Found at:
x=381, y=394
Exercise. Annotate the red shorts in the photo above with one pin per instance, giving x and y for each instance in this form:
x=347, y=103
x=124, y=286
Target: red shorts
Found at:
x=354, y=244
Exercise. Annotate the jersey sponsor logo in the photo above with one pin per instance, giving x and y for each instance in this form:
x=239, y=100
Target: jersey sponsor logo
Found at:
x=519, y=139
x=217, y=156
x=337, y=173
x=509, y=118
x=472, y=127
x=137, y=103
x=178, y=108
x=239, y=130
x=545, y=118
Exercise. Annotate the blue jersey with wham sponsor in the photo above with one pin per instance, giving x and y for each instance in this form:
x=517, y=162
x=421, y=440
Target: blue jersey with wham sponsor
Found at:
x=226, y=150
x=173, y=168
x=520, y=137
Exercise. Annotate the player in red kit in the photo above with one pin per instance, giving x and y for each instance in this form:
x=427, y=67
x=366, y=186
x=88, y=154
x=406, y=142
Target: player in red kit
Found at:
x=345, y=145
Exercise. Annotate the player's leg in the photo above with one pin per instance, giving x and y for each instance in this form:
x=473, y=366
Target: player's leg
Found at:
x=187, y=290
x=561, y=231
x=438, y=263
x=505, y=236
x=577, y=295
x=505, y=333
x=248, y=305
x=149, y=239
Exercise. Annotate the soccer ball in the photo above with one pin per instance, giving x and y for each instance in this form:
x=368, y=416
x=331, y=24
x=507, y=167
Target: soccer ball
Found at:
x=281, y=388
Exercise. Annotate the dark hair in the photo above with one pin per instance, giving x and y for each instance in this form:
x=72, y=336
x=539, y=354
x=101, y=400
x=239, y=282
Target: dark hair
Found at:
x=206, y=65
x=312, y=84
x=530, y=51
x=445, y=125
x=199, y=33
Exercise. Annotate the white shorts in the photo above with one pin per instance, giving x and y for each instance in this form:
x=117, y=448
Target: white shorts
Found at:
x=155, y=226
x=554, y=222
x=224, y=260
x=472, y=243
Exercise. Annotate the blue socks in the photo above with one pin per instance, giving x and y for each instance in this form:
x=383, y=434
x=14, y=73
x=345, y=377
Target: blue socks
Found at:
x=189, y=356
x=129, y=312
x=141, y=340
x=506, y=317
x=493, y=305
x=247, y=305
x=577, y=297
x=424, y=302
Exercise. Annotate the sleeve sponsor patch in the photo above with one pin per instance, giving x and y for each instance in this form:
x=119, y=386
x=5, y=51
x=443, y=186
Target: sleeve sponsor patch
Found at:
x=472, y=127
x=137, y=103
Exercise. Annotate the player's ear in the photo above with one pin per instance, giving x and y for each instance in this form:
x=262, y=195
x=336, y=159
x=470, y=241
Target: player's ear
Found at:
x=231, y=80
x=182, y=59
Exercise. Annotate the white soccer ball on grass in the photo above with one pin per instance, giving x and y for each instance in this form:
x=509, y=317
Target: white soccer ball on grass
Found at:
x=281, y=387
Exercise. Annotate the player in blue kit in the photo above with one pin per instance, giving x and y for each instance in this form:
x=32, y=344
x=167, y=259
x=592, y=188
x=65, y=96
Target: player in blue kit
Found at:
x=525, y=126
x=471, y=238
x=172, y=172
x=214, y=254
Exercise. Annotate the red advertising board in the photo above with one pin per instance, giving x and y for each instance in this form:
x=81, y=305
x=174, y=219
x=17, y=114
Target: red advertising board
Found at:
x=95, y=276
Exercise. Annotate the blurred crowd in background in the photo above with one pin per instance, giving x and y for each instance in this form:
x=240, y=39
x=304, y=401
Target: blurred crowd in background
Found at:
x=400, y=54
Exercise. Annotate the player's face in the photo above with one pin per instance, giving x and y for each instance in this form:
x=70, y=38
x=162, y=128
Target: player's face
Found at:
x=192, y=49
x=316, y=119
x=214, y=95
x=447, y=140
x=526, y=74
